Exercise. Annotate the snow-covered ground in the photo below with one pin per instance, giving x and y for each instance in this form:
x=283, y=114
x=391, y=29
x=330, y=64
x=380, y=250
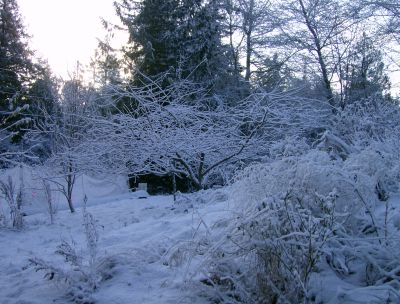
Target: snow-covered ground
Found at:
x=155, y=250
x=142, y=234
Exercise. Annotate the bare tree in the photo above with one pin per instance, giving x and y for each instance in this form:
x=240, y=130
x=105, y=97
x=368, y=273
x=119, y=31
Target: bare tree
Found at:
x=385, y=17
x=167, y=131
x=183, y=131
x=248, y=24
x=49, y=200
x=313, y=28
x=65, y=132
x=388, y=10
x=7, y=189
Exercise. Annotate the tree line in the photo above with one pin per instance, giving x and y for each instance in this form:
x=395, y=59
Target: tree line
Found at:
x=201, y=87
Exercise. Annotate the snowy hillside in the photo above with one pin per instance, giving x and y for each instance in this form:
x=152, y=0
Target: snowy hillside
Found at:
x=96, y=189
x=148, y=240
x=203, y=248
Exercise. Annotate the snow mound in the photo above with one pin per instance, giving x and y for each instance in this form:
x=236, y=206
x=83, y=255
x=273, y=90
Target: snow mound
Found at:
x=98, y=189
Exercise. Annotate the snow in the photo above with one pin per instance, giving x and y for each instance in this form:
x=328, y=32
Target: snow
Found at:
x=163, y=251
x=98, y=190
x=140, y=234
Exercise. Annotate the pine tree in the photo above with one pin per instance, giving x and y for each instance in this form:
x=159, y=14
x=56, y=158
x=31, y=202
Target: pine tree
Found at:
x=42, y=93
x=150, y=24
x=201, y=51
x=272, y=74
x=366, y=72
x=180, y=37
x=16, y=65
x=105, y=65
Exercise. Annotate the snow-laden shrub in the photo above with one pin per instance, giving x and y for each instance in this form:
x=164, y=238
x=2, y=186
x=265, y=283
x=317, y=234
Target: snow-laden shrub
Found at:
x=277, y=237
x=289, y=146
x=14, y=201
x=304, y=218
x=82, y=274
x=272, y=250
x=367, y=121
x=379, y=164
x=302, y=175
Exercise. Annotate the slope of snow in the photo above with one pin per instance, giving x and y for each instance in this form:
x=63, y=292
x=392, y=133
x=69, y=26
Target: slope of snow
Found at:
x=141, y=234
x=99, y=190
x=162, y=250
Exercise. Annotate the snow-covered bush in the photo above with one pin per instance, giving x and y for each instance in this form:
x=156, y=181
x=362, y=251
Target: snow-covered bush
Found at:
x=83, y=274
x=14, y=201
x=303, y=175
x=367, y=121
x=271, y=254
x=379, y=164
x=306, y=217
x=289, y=146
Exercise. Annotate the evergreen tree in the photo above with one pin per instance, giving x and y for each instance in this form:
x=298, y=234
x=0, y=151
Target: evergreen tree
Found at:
x=43, y=99
x=366, y=72
x=16, y=67
x=199, y=37
x=272, y=74
x=105, y=65
x=43, y=92
x=150, y=22
x=180, y=37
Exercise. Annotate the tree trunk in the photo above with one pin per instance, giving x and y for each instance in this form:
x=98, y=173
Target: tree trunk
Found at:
x=249, y=46
x=70, y=187
x=174, y=186
x=321, y=61
x=71, y=207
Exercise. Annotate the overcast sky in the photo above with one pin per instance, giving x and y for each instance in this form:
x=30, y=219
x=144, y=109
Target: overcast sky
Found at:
x=65, y=31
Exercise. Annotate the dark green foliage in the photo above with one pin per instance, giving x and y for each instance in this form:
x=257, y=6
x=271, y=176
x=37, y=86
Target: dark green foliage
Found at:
x=201, y=51
x=272, y=74
x=366, y=75
x=26, y=88
x=150, y=47
x=16, y=66
x=105, y=64
x=42, y=94
x=181, y=38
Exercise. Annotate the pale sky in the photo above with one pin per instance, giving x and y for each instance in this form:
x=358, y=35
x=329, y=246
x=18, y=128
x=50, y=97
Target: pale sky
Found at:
x=65, y=31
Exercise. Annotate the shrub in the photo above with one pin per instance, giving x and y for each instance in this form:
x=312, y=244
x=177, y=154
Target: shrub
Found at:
x=304, y=217
x=85, y=273
x=14, y=203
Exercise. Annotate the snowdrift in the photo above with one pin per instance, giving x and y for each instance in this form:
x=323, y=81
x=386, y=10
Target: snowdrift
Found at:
x=96, y=188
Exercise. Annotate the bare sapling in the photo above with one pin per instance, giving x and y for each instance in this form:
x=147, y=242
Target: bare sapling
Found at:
x=49, y=201
x=7, y=190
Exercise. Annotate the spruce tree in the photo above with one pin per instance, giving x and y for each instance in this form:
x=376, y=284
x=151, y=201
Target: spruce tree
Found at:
x=201, y=50
x=42, y=92
x=106, y=66
x=16, y=67
x=150, y=24
x=180, y=37
x=366, y=72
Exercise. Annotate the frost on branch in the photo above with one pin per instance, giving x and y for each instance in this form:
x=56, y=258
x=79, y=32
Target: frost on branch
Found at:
x=7, y=189
x=183, y=131
x=304, y=219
